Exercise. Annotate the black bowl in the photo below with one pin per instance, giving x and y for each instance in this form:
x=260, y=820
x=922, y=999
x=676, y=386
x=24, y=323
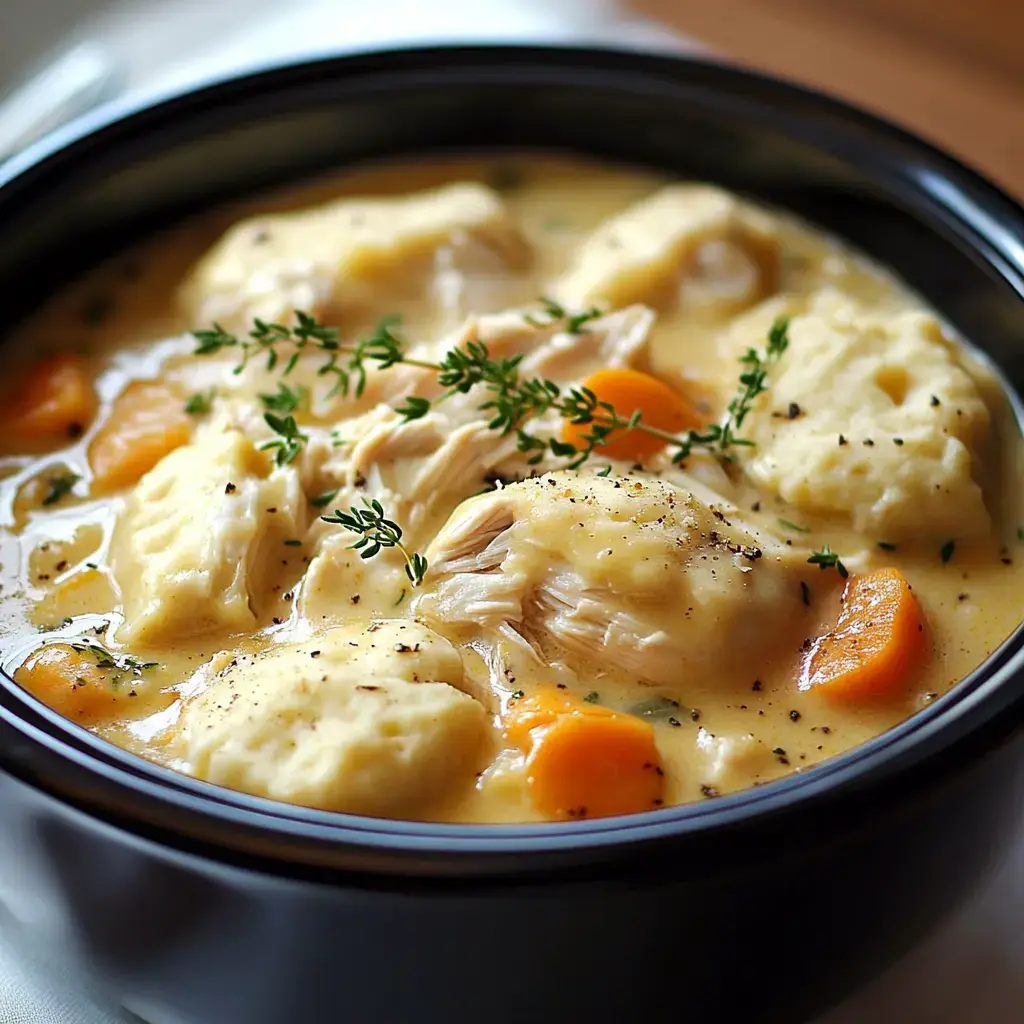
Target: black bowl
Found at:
x=194, y=904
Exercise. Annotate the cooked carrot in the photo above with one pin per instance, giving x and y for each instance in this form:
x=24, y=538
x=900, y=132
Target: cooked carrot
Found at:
x=147, y=422
x=584, y=760
x=879, y=641
x=630, y=391
x=71, y=683
x=53, y=402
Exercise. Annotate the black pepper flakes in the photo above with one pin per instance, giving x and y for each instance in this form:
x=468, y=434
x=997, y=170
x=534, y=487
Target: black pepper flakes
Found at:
x=868, y=443
x=935, y=401
x=708, y=791
x=230, y=488
x=794, y=716
x=674, y=722
x=314, y=654
x=757, y=686
x=898, y=441
x=805, y=593
x=842, y=441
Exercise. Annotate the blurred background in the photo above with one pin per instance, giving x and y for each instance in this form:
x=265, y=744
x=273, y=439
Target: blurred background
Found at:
x=950, y=70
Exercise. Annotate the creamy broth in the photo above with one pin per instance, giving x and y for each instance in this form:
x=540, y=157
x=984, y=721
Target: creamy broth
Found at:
x=73, y=559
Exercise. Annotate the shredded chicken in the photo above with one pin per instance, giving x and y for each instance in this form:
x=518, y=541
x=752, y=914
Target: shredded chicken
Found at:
x=632, y=571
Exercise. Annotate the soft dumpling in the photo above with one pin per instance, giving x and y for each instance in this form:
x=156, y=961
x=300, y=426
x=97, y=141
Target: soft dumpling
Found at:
x=339, y=254
x=691, y=243
x=631, y=572
x=365, y=719
x=869, y=417
x=192, y=546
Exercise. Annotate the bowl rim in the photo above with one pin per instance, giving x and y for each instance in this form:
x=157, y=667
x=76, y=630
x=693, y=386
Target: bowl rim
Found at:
x=183, y=808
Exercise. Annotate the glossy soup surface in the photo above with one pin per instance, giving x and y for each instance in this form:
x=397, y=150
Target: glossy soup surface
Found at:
x=634, y=632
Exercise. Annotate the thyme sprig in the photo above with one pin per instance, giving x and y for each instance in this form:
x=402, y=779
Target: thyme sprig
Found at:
x=826, y=558
x=377, y=532
x=105, y=658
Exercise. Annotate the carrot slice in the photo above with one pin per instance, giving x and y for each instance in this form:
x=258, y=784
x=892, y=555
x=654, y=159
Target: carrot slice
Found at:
x=71, y=683
x=55, y=401
x=584, y=760
x=147, y=422
x=630, y=391
x=879, y=640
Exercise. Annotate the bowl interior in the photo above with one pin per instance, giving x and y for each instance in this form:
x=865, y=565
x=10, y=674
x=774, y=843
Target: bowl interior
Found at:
x=118, y=175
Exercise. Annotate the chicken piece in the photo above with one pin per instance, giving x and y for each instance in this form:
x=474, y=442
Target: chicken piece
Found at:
x=192, y=549
x=889, y=428
x=366, y=719
x=690, y=243
x=630, y=572
x=548, y=350
x=340, y=255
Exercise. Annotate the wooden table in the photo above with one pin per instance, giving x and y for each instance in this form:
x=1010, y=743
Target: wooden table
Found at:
x=951, y=70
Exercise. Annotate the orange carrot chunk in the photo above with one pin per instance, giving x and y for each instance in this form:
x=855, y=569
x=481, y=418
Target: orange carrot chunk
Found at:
x=879, y=641
x=583, y=760
x=72, y=684
x=630, y=391
x=54, y=402
x=147, y=422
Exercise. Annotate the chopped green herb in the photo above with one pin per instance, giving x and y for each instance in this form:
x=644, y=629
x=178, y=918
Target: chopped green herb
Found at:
x=516, y=695
x=289, y=441
x=946, y=552
x=200, y=403
x=59, y=486
x=604, y=472
x=787, y=525
x=325, y=498
x=593, y=697
x=91, y=565
x=886, y=546
x=68, y=621
x=106, y=659
x=286, y=399
x=1020, y=534
x=401, y=598
x=293, y=543
x=828, y=559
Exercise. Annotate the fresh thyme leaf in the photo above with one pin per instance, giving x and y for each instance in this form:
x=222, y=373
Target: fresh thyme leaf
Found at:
x=606, y=471
x=414, y=408
x=106, y=659
x=67, y=621
x=593, y=697
x=401, y=598
x=59, y=486
x=376, y=531
x=290, y=440
x=826, y=558
x=200, y=403
x=946, y=552
x=324, y=499
x=555, y=311
x=886, y=546
x=286, y=399
x=293, y=542
x=787, y=525
x=91, y=565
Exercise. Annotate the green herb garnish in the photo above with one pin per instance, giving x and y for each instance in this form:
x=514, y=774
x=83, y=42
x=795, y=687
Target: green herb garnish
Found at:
x=59, y=486
x=828, y=559
x=324, y=499
x=377, y=532
x=946, y=552
x=593, y=697
x=289, y=441
x=200, y=403
x=285, y=400
x=787, y=525
x=886, y=546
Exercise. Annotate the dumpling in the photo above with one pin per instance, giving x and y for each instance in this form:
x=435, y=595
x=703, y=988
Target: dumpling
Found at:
x=632, y=572
x=192, y=545
x=363, y=719
x=690, y=243
x=869, y=417
x=337, y=255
